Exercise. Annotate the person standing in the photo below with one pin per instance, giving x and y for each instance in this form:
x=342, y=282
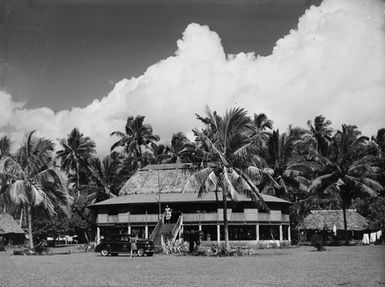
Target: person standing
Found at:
x=167, y=214
x=134, y=247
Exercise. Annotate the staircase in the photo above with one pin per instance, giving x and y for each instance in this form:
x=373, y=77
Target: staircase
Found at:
x=169, y=231
x=165, y=230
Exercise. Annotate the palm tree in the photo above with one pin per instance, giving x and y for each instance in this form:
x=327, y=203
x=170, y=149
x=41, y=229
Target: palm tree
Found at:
x=5, y=150
x=348, y=172
x=136, y=137
x=230, y=170
x=380, y=140
x=5, y=146
x=260, y=131
x=262, y=122
x=290, y=169
x=33, y=179
x=180, y=149
x=321, y=131
x=77, y=150
x=107, y=178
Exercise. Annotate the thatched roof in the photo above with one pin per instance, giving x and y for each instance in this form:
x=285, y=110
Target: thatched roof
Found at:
x=170, y=181
x=318, y=219
x=169, y=178
x=9, y=225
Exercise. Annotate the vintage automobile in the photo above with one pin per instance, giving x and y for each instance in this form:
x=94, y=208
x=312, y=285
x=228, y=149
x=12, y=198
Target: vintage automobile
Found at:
x=121, y=243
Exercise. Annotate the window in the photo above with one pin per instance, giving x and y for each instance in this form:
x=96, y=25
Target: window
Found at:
x=137, y=231
x=268, y=232
x=240, y=232
x=190, y=227
x=209, y=232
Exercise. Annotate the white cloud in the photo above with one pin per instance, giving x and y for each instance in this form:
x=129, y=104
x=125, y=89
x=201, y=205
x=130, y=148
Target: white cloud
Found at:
x=332, y=64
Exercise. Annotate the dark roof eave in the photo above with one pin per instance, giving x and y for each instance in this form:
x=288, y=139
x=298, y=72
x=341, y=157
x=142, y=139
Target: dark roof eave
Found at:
x=172, y=197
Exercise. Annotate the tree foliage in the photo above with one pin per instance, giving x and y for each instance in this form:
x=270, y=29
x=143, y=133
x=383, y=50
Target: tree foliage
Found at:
x=32, y=179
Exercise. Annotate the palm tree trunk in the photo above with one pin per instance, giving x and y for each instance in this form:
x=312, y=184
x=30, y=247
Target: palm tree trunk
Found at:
x=345, y=226
x=216, y=198
x=86, y=236
x=29, y=211
x=226, y=226
x=77, y=179
x=21, y=217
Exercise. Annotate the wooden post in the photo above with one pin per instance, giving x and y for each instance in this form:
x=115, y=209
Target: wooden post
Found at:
x=257, y=231
x=280, y=233
x=218, y=234
x=146, y=231
x=97, y=235
x=129, y=229
x=288, y=234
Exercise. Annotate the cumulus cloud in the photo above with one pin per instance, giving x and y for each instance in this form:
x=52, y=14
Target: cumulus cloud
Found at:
x=333, y=64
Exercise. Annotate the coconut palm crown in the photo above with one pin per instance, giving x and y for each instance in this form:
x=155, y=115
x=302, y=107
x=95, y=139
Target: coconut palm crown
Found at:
x=321, y=131
x=75, y=155
x=107, y=178
x=136, y=137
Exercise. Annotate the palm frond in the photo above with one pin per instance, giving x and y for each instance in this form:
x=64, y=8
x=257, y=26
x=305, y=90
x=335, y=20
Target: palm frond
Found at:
x=322, y=182
x=229, y=177
x=212, y=147
x=253, y=193
x=18, y=192
x=198, y=180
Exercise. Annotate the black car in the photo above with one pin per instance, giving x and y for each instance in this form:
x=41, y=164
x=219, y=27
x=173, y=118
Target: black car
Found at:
x=121, y=243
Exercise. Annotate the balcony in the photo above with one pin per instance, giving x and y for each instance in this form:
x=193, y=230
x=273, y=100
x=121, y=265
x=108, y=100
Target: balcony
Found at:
x=200, y=217
x=143, y=218
x=272, y=216
x=239, y=217
x=113, y=219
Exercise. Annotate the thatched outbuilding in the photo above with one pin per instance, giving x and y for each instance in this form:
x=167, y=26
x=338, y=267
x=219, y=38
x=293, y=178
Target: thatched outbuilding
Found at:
x=10, y=231
x=331, y=223
x=327, y=219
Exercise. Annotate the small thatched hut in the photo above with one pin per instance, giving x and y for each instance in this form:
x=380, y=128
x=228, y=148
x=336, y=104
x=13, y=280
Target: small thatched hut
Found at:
x=333, y=220
x=10, y=231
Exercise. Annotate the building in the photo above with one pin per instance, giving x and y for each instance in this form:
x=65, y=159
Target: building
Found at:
x=332, y=221
x=10, y=231
x=145, y=195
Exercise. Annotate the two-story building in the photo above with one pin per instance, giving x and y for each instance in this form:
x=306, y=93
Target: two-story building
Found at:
x=145, y=195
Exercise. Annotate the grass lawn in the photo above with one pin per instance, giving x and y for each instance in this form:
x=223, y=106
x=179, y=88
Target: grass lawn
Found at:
x=338, y=266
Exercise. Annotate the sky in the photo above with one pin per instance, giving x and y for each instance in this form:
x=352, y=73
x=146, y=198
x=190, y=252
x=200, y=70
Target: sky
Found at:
x=71, y=63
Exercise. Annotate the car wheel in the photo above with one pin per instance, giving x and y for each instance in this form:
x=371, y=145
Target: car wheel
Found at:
x=140, y=252
x=104, y=252
x=150, y=253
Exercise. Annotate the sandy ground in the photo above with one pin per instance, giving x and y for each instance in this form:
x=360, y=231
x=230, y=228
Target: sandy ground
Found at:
x=338, y=266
